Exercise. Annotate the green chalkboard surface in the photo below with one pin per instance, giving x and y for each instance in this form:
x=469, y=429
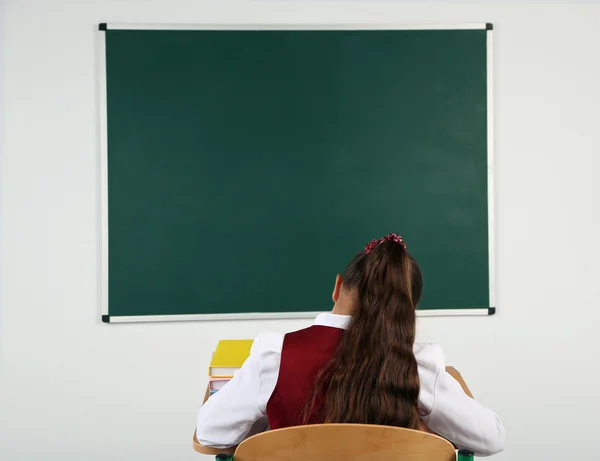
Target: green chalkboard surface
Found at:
x=244, y=168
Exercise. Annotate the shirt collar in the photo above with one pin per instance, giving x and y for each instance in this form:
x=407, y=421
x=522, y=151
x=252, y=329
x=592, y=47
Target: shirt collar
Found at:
x=333, y=320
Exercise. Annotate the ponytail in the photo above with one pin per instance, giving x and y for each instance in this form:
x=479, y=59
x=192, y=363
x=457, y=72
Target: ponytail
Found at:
x=372, y=377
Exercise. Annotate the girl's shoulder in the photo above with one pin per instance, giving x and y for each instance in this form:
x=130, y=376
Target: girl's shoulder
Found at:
x=267, y=342
x=430, y=356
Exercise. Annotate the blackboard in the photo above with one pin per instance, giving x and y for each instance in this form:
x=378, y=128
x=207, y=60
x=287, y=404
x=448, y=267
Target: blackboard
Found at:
x=242, y=169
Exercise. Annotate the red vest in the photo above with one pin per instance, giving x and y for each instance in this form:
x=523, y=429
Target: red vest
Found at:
x=303, y=355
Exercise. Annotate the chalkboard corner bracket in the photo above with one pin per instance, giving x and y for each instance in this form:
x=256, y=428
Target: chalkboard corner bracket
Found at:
x=491, y=310
x=106, y=319
x=489, y=26
x=102, y=27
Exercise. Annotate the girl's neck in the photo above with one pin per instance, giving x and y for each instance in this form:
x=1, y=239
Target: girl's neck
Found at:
x=343, y=306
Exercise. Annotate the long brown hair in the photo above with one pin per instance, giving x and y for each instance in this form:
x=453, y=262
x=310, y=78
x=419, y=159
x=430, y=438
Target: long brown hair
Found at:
x=372, y=377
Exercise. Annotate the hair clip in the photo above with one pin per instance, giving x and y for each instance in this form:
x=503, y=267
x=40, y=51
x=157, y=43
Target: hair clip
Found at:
x=372, y=244
x=397, y=239
x=390, y=238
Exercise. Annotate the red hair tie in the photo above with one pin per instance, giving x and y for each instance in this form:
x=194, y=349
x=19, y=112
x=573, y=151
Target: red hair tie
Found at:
x=389, y=238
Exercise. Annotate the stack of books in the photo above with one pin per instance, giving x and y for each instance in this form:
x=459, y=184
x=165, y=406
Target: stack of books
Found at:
x=228, y=357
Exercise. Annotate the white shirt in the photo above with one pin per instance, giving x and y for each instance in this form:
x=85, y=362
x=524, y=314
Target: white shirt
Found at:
x=238, y=410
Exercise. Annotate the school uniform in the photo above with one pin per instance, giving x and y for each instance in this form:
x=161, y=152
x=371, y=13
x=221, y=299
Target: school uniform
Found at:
x=271, y=388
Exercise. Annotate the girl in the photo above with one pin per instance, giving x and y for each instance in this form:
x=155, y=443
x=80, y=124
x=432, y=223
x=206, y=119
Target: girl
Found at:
x=358, y=364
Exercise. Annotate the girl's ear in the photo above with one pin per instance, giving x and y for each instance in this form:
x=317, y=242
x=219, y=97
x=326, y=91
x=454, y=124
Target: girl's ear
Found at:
x=336, y=289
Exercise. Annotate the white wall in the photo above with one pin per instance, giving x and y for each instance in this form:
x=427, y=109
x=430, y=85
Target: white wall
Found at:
x=74, y=389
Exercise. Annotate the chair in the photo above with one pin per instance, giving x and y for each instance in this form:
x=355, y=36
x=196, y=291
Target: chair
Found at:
x=347, y=442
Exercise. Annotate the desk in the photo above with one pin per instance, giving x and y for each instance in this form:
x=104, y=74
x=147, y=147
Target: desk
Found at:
x=214, y=451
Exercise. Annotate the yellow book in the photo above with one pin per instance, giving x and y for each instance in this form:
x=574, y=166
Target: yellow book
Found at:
x=229, y=356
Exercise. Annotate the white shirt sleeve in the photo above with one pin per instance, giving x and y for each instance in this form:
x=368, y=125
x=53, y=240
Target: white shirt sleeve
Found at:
x=238, y=410
x=451, y=413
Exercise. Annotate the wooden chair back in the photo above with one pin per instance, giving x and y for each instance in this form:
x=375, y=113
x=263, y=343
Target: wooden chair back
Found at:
x=345, y=442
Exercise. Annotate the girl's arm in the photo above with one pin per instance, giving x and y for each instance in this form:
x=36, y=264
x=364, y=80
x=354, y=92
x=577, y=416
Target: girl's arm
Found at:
x=237, y=411
x=448, y=411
